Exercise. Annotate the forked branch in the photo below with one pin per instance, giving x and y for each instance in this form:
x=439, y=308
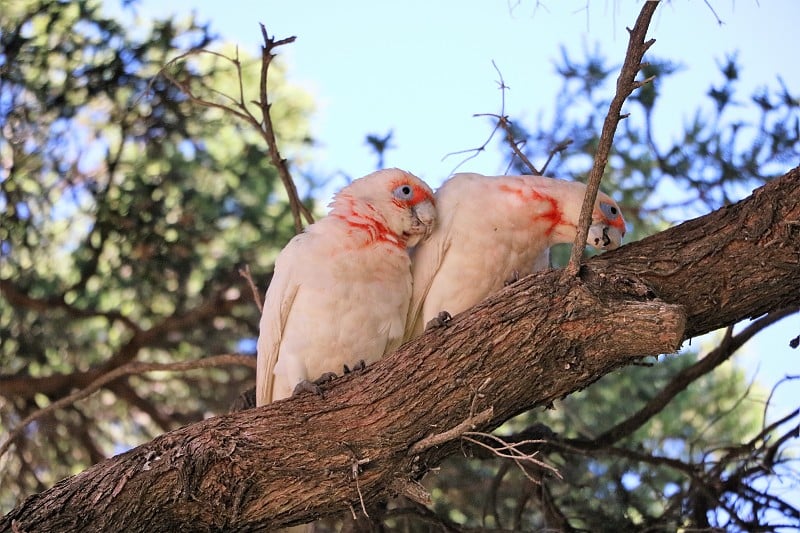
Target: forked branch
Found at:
x=237, y=107
x=626, y=84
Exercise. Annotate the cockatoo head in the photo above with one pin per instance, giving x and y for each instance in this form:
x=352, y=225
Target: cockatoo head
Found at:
x=396, y=201
x=608, y=226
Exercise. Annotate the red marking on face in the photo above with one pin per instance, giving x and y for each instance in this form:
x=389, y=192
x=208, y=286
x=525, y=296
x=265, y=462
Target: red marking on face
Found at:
x=419, y=194
x=371, y=224
x=553, y=215
x=617, y=222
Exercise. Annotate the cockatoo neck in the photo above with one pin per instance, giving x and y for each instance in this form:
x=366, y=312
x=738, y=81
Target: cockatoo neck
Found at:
x=360, y=215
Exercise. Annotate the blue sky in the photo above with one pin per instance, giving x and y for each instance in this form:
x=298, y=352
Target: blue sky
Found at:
x=422, y=68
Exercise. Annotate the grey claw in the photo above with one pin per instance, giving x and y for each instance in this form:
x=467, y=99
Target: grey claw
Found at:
x=361, y=365
x=307, y=386
x=442, y=320
x=313, y=386
x=513, y=279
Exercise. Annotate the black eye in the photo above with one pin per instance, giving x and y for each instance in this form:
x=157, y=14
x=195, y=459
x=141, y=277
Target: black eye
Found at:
x=404, y=192
x=610, y=211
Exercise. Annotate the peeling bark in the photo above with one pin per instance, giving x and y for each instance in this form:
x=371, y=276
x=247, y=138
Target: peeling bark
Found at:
x=534, y=342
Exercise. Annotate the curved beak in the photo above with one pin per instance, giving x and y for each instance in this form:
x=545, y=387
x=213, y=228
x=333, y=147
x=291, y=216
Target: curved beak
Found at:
x=424, y=220
x=604, y=237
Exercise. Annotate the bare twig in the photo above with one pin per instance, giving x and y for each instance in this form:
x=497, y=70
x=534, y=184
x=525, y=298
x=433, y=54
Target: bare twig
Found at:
x=557, y=149
x=238, y=108
x=124, y=370
x=501, y=122
x=245, y=273
x=714, y=12
x=453, y=433
x=626, y=84
x=355, y=469
x=505, y=124
x=512, y=451
x=270, y=44
x=780, y=382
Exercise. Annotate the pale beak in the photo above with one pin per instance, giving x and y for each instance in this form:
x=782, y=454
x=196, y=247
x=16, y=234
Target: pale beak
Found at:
x=424, y=219
x=604, y=237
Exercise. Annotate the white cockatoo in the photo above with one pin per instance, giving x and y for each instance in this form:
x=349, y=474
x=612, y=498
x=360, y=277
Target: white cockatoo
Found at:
x=341, y=289
x=492, y=230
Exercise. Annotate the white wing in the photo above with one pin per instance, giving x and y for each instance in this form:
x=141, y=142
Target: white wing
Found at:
x=277, y=305
x=426, y=260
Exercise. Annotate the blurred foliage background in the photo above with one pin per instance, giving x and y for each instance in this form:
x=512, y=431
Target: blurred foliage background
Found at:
x=128, y=211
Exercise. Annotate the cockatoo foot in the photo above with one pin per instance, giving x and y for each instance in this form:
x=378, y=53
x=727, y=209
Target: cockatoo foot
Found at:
x=512, y=279
x=442, y=320
x=361, y=365
x=313, y=386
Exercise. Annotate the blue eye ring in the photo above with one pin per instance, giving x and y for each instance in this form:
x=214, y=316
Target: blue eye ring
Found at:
x=609, y=210
x=404, y=192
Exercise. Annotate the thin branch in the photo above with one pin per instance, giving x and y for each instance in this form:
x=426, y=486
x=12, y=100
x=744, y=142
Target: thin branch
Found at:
x=245, y=273
x=239, y=109
x=626, y=83
x=505, y=124
x=783, y=380
x=557, y=149
x=270, y=44
x=127, y=369
x=453, y=433
x=17, y=297
x=507, y=450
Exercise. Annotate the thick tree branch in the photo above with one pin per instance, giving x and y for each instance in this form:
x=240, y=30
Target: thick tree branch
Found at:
x=538, y=340
x=682, y=380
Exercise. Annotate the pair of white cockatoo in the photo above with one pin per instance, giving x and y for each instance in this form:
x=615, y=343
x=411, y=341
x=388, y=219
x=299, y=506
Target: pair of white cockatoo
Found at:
x=391, y=255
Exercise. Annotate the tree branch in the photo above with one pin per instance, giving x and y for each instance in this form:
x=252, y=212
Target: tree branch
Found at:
x=59, y=384
x=238, y=108
x=270, y=44
x=538, y=340
x=682, y=380
x=626, y=84
x=125, y=370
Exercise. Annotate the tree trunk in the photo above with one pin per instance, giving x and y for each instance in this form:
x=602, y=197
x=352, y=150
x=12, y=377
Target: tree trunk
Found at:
x=536, y=341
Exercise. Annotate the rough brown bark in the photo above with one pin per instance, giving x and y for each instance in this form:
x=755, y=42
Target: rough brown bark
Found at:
x=536, y=341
